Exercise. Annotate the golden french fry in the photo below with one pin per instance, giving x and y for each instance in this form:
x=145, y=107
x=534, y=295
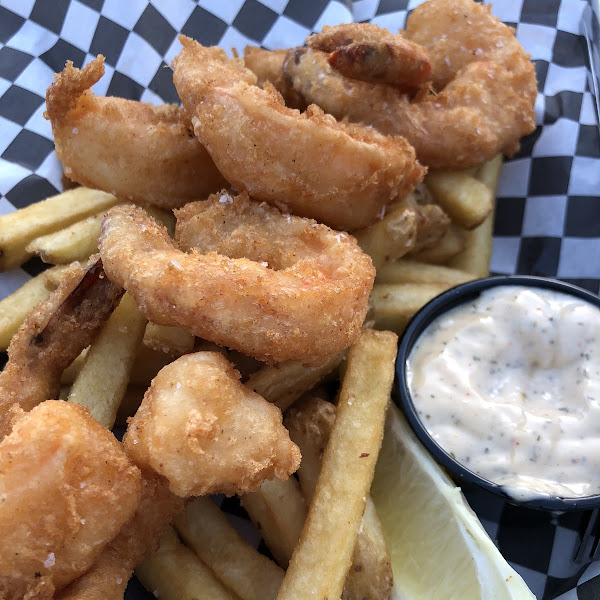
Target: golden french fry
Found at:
x=278, y=510
x=205, y=529
x=171, y=340
x=146, y=365
x=466, y=200
x=395, y=304
x=405, y=270
x=19, y=228
x=450, y=245
x=101, y=383
x=323, y=556
x=284, y=383
x=475, y=258
x=75, y=242
x=174, y=572
x=392, y=236
x=489, y=173
x=370, y=575
x=15, y=308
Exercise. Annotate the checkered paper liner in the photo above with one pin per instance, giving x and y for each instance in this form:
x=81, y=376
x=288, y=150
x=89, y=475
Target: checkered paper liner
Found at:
x=548, y=213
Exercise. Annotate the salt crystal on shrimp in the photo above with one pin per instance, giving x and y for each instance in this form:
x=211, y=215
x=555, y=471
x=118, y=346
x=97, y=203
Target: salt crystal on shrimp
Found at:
x=225, y=199
x=50, y=561
x=75, y=131
x=176, y=265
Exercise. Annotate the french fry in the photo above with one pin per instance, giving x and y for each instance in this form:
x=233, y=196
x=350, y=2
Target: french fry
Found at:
x=392, y=236
x=475, y=258
x=395, y=304
x=146, y=365
x=278, y=510
x=323, y=555
x=174, y=572
x=466, y=200
x=75, y=242
x=449, y=246
x=19, y=228
x=171, y=340
x=370, y=575
x=102, y=381
x=205, y=529
x=15, y=308
x=405, y=270
x=284, y=383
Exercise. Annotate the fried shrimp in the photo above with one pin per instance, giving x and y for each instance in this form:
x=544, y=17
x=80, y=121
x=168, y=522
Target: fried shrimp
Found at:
x=53, y=335
x=254, y=280
x=204, y=431
x=139, y=152
x=307, y=164
x=370, y=53
x=66, y=489
x=108, y=576
x=486, y=103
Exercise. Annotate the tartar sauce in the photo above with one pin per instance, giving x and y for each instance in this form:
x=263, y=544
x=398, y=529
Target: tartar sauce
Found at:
x=509, y=385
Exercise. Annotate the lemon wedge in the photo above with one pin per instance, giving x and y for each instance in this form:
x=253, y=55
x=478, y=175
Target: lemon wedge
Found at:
x=439, y=548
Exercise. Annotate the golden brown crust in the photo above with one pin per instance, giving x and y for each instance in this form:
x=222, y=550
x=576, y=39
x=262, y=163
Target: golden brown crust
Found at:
x=139, y=152
x=204, y=431
x=67, y=488
x=265, y=312
x=306, y=164
x=484, y=101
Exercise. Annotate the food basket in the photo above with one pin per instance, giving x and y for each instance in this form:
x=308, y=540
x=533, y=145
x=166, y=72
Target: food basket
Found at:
x=548, y=208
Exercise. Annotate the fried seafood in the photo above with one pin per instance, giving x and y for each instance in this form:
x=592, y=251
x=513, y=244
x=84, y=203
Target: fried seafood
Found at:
x=307, y=164
x=267, y=65
x=370, y=53
x=485, y=106
x=258, y=291
x=53, y=335
x=108, y=576
x=204, y=431
x=66, y=489
x=139, y=152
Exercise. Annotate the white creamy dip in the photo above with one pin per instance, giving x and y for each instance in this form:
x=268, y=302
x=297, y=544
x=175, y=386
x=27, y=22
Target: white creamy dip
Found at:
x=509, y=385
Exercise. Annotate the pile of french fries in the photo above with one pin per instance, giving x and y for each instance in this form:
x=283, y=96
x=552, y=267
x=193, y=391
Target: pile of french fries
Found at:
x=321, y=528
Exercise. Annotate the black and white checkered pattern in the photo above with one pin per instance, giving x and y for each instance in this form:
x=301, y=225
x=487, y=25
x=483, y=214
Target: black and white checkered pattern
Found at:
x=548, y=216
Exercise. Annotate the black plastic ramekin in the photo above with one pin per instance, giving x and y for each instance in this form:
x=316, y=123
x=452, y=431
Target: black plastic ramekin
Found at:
x=437, y=307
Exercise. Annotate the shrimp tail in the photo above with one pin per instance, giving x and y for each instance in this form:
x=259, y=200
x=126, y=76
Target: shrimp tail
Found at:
x=69, y=85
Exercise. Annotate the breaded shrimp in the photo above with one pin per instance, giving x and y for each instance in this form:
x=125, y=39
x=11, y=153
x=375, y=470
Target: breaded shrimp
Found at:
x=484, y=108
x=267, y=65
x=370, y=53
x=204, y=431
x=139, y=152
x=108, y=576
x=307, y=164
x=53, y=335
x=254, y=281
x=66, y=489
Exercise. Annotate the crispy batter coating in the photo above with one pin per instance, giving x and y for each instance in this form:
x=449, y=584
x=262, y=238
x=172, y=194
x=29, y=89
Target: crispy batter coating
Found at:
x=66, y=489
x=370, y=53
x=267, y=65
x=484, y=108
x=139, y=152
x=204, y=431
x=108, y=576
x=307, y=164
x=53, y=335
x=259, y=293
